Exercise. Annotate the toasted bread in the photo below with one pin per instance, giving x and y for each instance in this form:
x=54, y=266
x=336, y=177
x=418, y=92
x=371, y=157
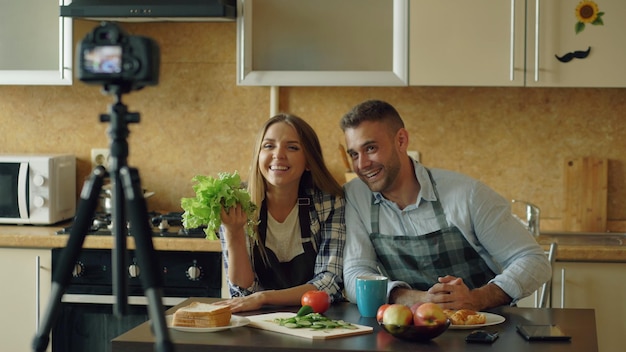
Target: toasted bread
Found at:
x=202, y=315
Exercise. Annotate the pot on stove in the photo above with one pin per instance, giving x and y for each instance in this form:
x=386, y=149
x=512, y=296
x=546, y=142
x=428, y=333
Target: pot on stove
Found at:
x=105, y=203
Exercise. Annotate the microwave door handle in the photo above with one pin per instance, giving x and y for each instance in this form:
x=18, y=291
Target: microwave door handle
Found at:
x=22, y=190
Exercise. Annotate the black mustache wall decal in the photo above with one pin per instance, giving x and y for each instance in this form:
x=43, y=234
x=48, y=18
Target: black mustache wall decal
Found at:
x=574, y=55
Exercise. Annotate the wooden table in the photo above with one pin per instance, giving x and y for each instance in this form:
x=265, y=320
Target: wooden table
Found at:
x=579, y=323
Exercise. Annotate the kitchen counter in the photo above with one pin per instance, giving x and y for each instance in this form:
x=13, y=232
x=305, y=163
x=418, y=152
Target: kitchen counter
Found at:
x=579, y=323
x=28, y=236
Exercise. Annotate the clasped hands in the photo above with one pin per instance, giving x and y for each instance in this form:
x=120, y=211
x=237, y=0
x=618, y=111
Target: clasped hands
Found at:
x=449, y=292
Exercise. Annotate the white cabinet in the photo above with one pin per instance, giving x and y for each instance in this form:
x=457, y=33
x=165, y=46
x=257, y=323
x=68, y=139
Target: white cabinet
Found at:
x=322, y=42
x=35, y=43
x=514, y=43
x=601, y=286
x=478, y=42
x=26, y=281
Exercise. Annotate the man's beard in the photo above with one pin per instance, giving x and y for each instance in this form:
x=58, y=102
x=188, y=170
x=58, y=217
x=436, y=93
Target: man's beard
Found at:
x=391, y=169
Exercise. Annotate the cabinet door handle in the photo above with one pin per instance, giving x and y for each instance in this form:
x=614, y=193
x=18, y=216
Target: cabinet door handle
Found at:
x=512, y=49
x=537, y=40
x=37, y=291
x=563, y=288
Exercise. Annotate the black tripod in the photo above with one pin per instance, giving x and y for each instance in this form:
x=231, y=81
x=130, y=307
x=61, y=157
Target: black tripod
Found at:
x=127, y=197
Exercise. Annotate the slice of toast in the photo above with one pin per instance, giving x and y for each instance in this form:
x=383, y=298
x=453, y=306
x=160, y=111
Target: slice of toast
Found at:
x=202, y=315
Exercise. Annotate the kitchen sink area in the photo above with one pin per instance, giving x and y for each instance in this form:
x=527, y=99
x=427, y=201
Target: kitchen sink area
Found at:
x=582, y=238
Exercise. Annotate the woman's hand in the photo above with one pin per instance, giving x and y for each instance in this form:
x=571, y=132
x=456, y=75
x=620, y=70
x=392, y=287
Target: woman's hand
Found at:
x=234, y=219
x=241, y=304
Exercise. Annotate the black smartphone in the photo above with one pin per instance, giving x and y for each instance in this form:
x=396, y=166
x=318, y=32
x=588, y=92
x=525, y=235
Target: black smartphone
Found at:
x=482, y=336
x=542, y=333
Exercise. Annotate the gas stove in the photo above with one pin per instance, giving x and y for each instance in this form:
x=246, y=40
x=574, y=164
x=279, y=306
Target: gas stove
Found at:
x=163, y=225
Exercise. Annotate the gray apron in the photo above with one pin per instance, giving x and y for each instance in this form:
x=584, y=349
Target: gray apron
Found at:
x=276, y=275
x=420, y=260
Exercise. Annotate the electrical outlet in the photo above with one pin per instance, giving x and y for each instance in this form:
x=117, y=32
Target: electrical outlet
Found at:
x=100, y=156
x=414, y=154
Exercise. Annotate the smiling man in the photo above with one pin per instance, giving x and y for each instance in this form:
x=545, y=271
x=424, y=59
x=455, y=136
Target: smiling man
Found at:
x=438, y=235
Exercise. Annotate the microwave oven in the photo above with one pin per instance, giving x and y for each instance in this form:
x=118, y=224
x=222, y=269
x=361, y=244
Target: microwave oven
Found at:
x=37, y=189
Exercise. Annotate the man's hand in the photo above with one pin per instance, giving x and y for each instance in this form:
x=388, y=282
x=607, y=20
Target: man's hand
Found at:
x=452, y=293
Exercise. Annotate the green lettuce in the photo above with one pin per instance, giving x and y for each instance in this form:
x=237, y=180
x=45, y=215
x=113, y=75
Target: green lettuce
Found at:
x=211, y=195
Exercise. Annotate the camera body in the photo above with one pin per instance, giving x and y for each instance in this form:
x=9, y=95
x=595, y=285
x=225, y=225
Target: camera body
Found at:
x=110, y=57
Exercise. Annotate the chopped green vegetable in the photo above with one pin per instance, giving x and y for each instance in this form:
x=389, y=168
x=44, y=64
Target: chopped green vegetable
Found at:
x=304, y=310
x=211, y=194
x=313, y=321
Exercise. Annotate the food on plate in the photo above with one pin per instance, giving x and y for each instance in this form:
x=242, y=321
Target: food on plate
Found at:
x=318, y=300
x=202, y=315
x=465, y=317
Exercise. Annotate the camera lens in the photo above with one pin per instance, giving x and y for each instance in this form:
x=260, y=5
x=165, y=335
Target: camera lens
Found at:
x=131, y=65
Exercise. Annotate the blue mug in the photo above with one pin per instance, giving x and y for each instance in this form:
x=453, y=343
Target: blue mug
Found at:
x=371, y=293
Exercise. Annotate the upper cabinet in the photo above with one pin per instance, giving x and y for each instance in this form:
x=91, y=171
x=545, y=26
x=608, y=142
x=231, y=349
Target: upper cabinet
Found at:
x=478, y=42
x=35, y=43
x=538, y=43
x=322, y=42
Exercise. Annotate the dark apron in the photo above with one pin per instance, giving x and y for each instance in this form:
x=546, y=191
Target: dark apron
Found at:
x=274, y=275
x=420, y=260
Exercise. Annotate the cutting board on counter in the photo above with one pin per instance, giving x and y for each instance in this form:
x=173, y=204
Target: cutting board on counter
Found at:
x=585, y=189
x=266, y=322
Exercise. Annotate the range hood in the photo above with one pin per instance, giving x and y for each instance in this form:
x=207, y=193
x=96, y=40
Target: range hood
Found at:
x=152, y=10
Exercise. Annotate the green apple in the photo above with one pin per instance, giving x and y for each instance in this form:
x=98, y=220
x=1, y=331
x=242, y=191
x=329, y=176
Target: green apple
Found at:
x=397, y=314
x=429, y=314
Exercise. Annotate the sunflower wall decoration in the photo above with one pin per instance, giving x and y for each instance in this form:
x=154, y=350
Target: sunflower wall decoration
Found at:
x=587, y=12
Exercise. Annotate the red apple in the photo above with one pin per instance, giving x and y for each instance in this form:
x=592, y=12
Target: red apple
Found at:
x=429, y=314
x=397, y=314
x=381, y=311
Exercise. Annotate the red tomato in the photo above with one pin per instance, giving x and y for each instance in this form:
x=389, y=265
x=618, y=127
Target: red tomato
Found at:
x=381, y=310
x=318, y=300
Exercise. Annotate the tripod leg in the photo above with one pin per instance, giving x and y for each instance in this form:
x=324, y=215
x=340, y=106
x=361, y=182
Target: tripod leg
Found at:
x=63, y=270
x=151, y=276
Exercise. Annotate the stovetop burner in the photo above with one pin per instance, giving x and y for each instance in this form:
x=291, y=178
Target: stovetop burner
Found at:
x=163, y=225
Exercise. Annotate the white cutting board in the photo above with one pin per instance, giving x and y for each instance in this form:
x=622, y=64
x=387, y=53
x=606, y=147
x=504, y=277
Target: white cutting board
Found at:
x=266, y=322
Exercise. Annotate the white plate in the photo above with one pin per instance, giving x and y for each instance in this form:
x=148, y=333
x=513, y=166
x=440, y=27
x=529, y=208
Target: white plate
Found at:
x=235, y=322
x=492, y=319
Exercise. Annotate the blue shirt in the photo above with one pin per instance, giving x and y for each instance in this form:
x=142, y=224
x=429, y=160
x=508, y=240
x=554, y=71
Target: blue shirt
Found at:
x=483, y=217
x=328, y=229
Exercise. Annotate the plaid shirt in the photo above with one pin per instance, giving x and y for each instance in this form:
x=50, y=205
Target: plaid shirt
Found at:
x=328, y=229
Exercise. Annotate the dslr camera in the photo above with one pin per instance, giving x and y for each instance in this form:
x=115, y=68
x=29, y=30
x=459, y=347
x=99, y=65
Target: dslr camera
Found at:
x=110, y=57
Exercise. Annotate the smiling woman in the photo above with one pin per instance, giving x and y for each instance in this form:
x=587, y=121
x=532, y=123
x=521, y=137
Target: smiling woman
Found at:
x=297, y=244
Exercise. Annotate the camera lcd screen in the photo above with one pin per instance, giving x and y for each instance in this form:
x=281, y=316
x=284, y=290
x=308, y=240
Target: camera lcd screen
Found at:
x=103, y=59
